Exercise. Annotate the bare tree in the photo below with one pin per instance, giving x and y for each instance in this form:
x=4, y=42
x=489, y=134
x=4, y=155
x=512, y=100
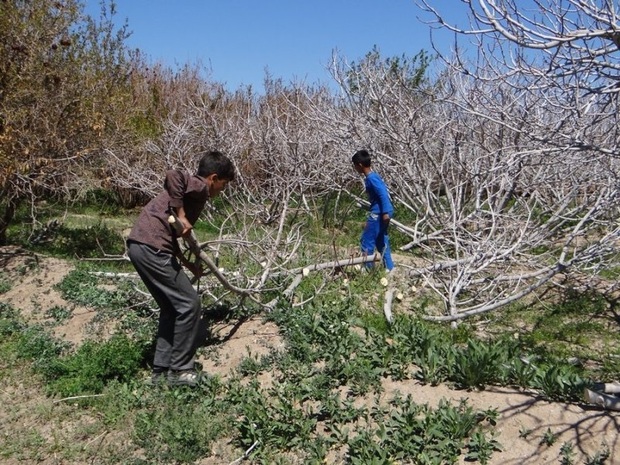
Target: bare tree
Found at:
x=564, y=51
x=283, y=170
x=499, y=192
x=503, y=172
x=532, y=141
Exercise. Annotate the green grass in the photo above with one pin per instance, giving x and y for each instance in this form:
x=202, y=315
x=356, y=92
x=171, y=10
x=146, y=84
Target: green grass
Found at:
x=329, y=344
x=575, y=326
x=5, y=283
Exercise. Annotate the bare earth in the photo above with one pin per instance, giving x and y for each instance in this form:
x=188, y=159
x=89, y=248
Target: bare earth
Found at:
x=587, y=428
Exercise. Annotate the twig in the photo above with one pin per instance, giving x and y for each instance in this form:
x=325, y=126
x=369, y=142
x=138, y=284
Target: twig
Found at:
x=102, y=436
x=107, y=274
x=246, y=454
x=77, y=397
x=387, y=305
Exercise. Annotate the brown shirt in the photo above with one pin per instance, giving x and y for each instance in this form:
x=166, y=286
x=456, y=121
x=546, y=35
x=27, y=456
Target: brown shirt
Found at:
x=180, y=190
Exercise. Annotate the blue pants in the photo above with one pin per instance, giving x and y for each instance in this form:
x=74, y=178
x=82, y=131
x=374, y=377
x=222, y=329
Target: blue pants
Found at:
x=375, y=237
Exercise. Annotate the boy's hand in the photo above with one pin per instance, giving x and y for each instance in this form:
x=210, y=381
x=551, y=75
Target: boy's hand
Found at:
x=180, y=224
x=386, y=218
x=187, y=226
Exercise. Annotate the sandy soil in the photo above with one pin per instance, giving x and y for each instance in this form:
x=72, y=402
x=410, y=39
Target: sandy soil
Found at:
x=587, y=428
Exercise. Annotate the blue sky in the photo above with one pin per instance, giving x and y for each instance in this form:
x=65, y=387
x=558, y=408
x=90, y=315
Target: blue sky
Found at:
x=239, y=40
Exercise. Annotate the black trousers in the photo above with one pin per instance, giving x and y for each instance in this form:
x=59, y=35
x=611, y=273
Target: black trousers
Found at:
x=179, y=305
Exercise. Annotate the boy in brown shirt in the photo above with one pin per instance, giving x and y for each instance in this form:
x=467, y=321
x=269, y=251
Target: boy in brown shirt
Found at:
x=154, y=252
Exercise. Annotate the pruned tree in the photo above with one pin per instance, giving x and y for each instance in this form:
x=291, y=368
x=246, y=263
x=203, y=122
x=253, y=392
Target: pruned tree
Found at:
x=524, y=149
x=279, y=156
x=502, y=168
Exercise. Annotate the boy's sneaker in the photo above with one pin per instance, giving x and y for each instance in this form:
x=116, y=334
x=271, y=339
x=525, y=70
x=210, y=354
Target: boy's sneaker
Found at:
x=189, y=378
x=157, y=378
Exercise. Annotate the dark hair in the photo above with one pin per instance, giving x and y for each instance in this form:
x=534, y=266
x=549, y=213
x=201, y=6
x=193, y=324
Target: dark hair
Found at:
x=218, y=163
x=361, y=157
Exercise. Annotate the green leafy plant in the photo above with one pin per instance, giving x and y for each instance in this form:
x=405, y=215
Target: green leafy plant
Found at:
x=180, y=426
x=419, y=434
x=10, y=321
x=549, y=438
x=253, y=365
x=481, y=448
x=92, y=241
x=58, y=313
x=36, y=344
x=600, y=457
x=83, y=288
x=521, y=371
x=433, y=364
x=479, y=364
x=93, y=365
x=567, y=453
x=5, y=284
x=559, y=382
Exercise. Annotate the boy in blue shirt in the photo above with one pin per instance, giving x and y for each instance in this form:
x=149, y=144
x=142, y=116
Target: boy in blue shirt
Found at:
x=375, y=235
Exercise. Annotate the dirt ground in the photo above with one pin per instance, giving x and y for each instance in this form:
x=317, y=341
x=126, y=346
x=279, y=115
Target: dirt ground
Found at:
x=588, y=428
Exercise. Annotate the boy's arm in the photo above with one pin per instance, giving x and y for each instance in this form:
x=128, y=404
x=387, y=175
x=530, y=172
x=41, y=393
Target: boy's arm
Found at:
x=176, y=185
x=385, y=204
x=187, y=226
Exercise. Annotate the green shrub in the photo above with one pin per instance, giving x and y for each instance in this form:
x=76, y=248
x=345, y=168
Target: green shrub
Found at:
x=58, y=313
x=406, y=431
x=93, y=365
x=82, y=288
x=479, y=364
x=180, y=426
x=434, y=362
x=10, y=322
x=480, y=448
x=559, y=382
x=100, y=201
x=5, y=284
x=36, y=344
x=600, y=457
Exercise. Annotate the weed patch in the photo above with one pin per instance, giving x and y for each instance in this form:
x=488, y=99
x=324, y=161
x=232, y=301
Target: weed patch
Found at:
x=324, y=396
x=82, y=288
x=93, y=365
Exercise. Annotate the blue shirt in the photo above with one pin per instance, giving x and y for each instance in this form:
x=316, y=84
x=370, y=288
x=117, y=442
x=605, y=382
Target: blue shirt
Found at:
x=378, y=195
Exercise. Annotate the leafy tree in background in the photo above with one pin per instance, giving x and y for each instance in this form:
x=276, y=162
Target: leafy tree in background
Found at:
x=62, y=82
x=410, y=72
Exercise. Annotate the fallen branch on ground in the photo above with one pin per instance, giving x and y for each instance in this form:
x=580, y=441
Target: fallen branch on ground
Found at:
x=387, y=305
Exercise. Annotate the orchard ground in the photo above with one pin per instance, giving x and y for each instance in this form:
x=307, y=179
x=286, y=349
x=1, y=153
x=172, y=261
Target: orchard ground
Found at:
x=524, y=427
